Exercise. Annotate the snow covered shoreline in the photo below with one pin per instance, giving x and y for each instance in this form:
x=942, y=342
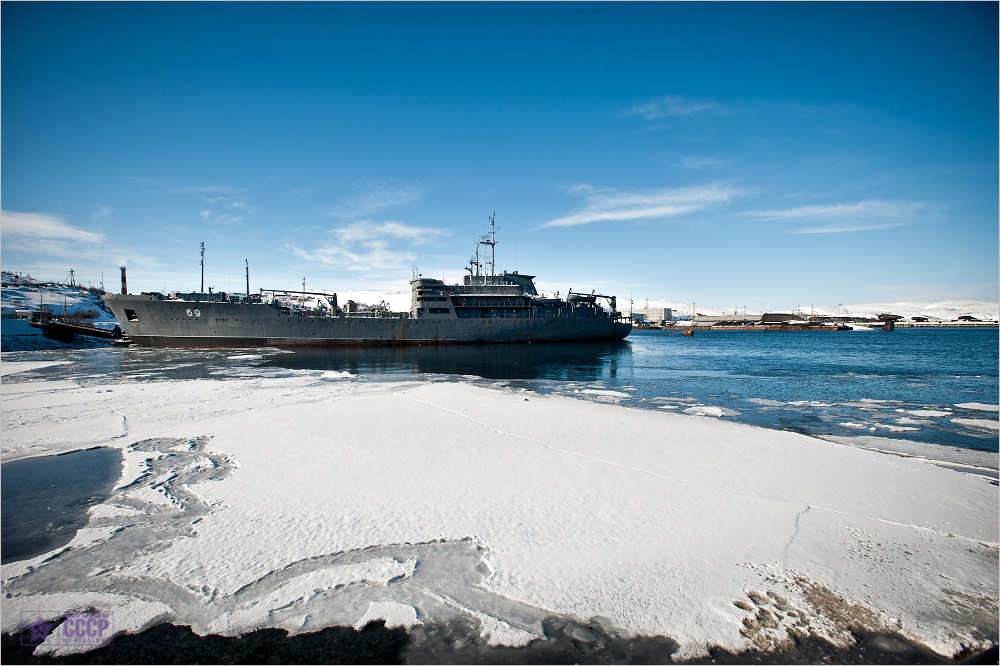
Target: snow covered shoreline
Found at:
x=307, y=500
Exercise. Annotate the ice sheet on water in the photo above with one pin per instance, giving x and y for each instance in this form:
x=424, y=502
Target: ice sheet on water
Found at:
x=928, y=412
x=245, y=357
x=603, y=393
x=984, y=424
x=710, y=410
x=978, y=406
x=14, y=367
x=766, y=402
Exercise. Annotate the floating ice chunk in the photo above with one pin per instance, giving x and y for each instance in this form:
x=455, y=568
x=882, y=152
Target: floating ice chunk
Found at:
x=341, y=374
x=394, y=613
x=809, y=403
x=852, y=424
x=244, y=357
x=766, y=402
x=710, y=410
x=604, y=393
x=900, y=428
x=929, y=412
x=916, y=422
x=986, y=424
x=978, y=406
x=863, y=404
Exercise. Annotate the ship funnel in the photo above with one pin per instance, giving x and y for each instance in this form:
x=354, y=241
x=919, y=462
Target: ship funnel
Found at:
x=124, y=284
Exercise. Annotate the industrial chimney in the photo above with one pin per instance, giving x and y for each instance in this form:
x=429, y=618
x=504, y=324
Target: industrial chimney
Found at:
x=124, y=285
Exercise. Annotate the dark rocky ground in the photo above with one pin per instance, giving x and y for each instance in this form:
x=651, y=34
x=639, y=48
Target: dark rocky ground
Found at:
x=457, y=642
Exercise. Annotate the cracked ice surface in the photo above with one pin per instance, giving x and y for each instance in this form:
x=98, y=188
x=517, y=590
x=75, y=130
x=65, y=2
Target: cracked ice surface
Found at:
x=293, y=501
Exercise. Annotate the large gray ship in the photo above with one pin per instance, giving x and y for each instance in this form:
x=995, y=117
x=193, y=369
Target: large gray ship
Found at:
x=485, y=308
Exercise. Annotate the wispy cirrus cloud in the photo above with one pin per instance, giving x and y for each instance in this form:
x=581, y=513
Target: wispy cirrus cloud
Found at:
x=868, y=215
x=373, y=256
x=222, y=204
x=371, y=246
x=40, y=226
x=365, y=231
x=35, y=237
x=615, y=205
x=671, y=105
x=372, y=198
x=847, y=228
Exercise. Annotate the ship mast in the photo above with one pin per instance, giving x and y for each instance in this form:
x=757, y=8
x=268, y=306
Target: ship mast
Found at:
x=490, y=241
x=493, y=244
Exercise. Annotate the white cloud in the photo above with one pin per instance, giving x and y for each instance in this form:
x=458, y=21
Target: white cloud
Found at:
x=226, y=219
x=228, y=204
x=670, y=105
x=364, y=231
x=375, y=255
x=373, y=197
x=370, y=246
x=49, y=238
x=871, y=208
x=848, y=228
x=41, y=226
x=843, y=218
x=623, y=205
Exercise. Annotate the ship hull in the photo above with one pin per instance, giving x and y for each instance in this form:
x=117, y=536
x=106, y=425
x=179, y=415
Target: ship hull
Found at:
x=152, y=322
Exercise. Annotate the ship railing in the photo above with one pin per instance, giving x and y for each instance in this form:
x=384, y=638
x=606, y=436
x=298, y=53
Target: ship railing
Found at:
x=538, y=313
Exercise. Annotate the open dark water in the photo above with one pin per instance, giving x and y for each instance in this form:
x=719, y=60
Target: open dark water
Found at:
x=45, y=500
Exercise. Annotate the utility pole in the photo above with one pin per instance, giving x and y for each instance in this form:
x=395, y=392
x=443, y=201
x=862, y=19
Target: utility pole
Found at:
x=203, y=267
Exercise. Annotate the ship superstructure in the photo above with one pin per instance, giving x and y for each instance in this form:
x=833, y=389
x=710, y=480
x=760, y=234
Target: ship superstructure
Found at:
x=485, y=307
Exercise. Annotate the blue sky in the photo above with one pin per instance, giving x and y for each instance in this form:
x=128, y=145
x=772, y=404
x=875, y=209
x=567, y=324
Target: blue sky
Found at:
x=757, y=154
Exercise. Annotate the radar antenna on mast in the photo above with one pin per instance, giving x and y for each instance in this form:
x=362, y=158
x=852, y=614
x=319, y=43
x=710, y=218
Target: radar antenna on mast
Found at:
x=493, y=243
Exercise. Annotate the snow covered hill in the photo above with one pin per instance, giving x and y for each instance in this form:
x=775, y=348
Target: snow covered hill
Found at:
x=938, y=310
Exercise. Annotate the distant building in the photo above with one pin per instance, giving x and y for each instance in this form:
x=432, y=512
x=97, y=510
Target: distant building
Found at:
x=656, y=315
